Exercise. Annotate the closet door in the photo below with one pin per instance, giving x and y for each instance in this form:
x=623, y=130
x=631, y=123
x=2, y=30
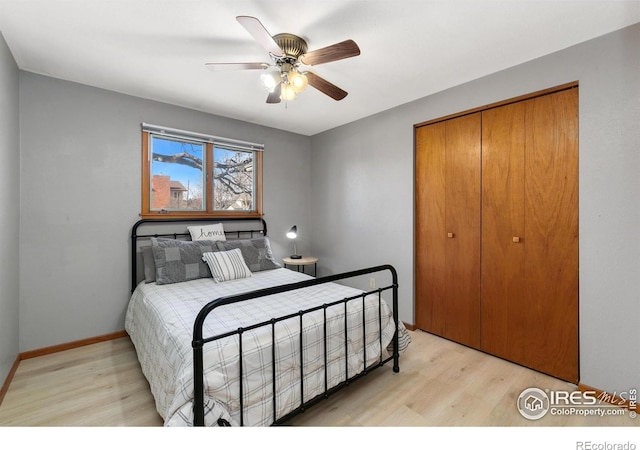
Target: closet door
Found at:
x=448, y=229
x=504, y=309
x=551, y=205
x=462, y=223
x=530, y=233
x=430, y=265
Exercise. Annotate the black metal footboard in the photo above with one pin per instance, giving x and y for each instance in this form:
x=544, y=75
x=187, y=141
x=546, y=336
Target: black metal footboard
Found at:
x=199, y=341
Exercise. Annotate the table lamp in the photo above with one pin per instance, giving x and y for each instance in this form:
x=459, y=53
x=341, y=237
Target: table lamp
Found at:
x=293, y=234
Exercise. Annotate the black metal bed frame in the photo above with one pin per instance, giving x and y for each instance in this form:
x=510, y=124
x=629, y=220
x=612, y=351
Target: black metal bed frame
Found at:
x=199, y=340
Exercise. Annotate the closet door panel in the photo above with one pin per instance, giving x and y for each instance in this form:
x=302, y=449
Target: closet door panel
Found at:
x=504, y=320
x=429, y=255
x=462, y=222
x=551, y=196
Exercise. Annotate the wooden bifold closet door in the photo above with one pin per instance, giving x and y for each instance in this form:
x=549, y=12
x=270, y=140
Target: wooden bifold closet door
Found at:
x=504, y=306
x=519, y=191
x=448, y=229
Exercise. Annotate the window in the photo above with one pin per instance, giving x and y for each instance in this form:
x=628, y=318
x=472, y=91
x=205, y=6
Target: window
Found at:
x=187, y=174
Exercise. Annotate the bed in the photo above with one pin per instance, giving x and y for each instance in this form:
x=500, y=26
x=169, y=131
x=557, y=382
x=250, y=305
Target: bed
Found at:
x=251, y=347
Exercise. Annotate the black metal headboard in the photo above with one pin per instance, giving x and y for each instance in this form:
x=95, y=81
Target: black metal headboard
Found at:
x=238, y=228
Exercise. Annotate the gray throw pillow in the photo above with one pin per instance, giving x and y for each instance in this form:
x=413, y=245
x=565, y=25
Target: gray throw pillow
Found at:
x=177, y=261
x=256, y=252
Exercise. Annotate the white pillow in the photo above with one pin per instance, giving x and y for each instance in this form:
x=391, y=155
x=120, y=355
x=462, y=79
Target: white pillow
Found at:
x=213, y=232
x=227, y=265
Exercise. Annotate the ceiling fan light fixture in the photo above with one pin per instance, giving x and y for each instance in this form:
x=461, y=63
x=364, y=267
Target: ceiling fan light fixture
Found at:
x=298, y=80
x=287, y=92
x=270, y=79
x=282, y=77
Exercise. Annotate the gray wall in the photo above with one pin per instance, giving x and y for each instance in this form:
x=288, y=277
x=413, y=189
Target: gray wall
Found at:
x=362, y=191
x=80, y=194
x=10, y=209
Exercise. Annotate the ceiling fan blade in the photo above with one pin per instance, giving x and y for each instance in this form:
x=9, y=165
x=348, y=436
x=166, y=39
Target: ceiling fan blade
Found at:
x=325, y=87
x=335, y=52
x=274, y=97
x=260, y=34
x=236, y=66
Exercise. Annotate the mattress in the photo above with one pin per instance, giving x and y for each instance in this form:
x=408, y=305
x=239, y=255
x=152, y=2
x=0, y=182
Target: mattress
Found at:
x=160, y=318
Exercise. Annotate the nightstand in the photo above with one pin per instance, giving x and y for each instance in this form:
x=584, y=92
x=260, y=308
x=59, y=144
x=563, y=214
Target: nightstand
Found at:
x=301, y=262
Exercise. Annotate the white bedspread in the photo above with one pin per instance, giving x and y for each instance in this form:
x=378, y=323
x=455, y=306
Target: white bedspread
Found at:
x=160, y=322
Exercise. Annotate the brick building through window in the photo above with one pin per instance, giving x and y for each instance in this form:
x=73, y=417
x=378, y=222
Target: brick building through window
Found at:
x=167, y=194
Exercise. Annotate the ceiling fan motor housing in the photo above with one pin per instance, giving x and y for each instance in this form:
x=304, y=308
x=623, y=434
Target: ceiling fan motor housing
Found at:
x=293, y=46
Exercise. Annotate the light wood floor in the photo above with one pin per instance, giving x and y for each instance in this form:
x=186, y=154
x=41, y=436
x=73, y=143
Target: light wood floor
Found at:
x=440, y=384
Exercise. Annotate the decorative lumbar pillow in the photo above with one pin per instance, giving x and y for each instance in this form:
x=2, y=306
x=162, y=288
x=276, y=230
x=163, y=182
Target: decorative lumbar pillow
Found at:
x=213, y=232
x=227, y=265
x=177, y=261
x=256, y=252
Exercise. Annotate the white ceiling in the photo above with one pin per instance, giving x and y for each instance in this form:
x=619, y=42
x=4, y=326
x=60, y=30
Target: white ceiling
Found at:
x=157, y=49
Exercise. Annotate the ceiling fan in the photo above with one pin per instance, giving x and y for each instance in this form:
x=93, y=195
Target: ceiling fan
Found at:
x=284, y=77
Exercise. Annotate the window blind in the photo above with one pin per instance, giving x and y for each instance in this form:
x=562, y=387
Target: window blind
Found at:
x=231, y=144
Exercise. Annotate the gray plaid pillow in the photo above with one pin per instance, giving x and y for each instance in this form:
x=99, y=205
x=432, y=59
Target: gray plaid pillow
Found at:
x=178, y=261
x=256, y=252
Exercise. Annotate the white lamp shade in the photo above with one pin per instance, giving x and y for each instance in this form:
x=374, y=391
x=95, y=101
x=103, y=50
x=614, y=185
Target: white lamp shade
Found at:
x=298, y=80
x=270, y=79
x=287, y=92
